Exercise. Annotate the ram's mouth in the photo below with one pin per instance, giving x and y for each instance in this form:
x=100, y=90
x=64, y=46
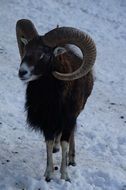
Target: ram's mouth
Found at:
x=32, y=78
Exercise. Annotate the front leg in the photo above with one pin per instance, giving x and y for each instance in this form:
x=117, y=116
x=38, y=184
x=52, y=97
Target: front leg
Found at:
x=49, y=167
x=63, y=169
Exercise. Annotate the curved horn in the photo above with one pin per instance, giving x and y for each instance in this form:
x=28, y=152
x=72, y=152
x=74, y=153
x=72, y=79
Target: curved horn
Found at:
x=67, y=35
x=24, y=29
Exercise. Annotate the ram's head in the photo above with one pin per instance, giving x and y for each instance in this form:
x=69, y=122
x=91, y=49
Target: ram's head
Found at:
x=38, y=53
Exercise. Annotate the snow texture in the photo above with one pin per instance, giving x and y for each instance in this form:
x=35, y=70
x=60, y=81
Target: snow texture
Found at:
x=101, y=132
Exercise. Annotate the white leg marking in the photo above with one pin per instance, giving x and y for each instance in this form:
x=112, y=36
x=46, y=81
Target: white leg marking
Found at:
x=63, y=169
x=49, y=168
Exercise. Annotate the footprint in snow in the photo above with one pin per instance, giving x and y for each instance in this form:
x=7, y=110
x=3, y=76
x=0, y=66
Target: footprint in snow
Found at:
x=1, y=50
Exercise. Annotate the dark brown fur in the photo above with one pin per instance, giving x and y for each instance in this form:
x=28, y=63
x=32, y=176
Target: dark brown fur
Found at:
x=53, y=105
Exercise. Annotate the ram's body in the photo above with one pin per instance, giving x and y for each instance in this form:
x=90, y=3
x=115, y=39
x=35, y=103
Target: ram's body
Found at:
x=53, y=105
x=54, y=99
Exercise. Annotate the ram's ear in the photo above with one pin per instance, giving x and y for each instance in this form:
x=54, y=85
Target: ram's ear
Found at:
x=59, y=51
x=24, y=41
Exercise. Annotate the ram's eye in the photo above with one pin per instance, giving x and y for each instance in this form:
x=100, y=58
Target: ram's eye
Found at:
x=41, y=56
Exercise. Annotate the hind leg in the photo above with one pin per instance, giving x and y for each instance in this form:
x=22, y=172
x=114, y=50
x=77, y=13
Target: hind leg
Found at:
x=72, y=150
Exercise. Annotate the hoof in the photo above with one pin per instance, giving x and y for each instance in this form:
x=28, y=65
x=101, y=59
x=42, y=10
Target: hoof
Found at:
x=68, y=180
x=55, y=150
x=48, y=179
x=72, y=164
x=48, y=175
x=65, y=177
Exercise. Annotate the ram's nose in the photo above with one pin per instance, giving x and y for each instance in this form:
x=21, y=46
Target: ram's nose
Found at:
x=23, y=73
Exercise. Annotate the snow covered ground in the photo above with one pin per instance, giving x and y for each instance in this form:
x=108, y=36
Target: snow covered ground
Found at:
x=101, y=133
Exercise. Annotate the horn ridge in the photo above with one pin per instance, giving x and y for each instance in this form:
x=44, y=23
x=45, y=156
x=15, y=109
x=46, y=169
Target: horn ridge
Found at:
x=68, y=35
